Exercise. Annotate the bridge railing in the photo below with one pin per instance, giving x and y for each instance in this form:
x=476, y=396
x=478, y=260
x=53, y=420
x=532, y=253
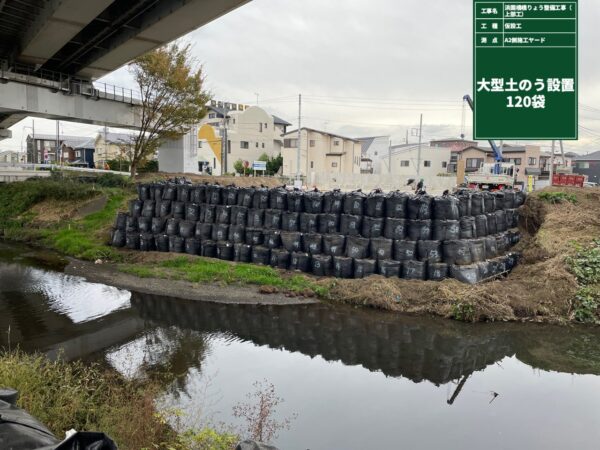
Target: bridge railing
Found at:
x=56, y=167
x=67, y=84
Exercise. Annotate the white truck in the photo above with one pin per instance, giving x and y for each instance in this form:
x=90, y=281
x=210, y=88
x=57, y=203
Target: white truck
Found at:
x=489, y=178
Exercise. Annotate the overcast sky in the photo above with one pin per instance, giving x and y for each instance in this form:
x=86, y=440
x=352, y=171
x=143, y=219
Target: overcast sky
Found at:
x=363, y=67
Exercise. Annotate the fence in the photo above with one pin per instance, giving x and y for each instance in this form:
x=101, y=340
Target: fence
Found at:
x=50, y=167
x=367, y=182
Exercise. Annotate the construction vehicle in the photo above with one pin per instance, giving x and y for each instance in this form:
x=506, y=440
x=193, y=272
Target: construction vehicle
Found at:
x=491, y=176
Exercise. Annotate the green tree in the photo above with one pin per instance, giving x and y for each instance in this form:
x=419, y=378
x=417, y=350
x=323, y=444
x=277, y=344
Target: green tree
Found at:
x=172, y=98
x=273, y=163
x=238, y=166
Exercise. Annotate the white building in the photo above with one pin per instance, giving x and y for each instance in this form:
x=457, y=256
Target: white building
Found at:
x=405, y=161
x=373, y=150
x=12, y=157
x=181, y=155
x=251, y=132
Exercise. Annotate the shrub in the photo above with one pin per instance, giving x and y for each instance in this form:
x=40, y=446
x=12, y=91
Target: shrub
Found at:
x=557, y=197
x=113, y=180
x=585, y=265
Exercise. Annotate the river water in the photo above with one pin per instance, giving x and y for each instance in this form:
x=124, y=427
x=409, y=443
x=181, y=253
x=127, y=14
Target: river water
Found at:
x=353, y=379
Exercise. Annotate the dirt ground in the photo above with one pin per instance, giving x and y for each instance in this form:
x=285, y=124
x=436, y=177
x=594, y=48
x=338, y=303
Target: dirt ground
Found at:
x=224, y=181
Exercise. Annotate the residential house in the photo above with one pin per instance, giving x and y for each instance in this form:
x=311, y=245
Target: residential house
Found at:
x=373, y=149
x=320, y=152
x=81, y=153
x=456, y=146
x=12, y=157
x=251, y=132
x=42, y=148
x=588, y=165
x=408, y=161
x=560, y=165
x=110, y=146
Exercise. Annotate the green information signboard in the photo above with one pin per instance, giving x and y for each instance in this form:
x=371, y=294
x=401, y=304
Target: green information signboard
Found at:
x=525, y=70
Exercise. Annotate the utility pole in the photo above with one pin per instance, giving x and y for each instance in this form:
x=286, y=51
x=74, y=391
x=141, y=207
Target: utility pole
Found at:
x=419, y=153
x=552, y=163
x=562, y=153
x=105, y=146
x=58, y=149
x=34, y=149
x=299, y=139
x=224, y=142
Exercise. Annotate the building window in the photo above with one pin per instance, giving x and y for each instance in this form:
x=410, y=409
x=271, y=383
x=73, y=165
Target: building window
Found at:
x=312, y=143
x=266, y=126
x=263, y=145
x=336, y=143
x=260, y=127
x=215, y=163
x=199, y=144
x=257, y=145
x=582, y=165
x=444, y=164
x=312, y=164
x=404, y=163
x=333, y=164
x=290, y=143
x=426, y=163
x=474, y=163
x=212, y=116
x=517, y=161
x=78, y=154
x=531, y=161
x=244, y=144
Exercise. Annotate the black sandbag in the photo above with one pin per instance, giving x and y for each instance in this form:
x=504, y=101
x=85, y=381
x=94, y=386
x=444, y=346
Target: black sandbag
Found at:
x=192, y=212
x=144, y=224
x=300, y=261
x=223, y=214
x=357, y=247
x=465, y=274
x=492, y=225
x=170, y=192
x=164, y=208
x=446, y=208
x=242, y=253
x=292, y=241
x=419, y=207
x=375, y=204
x=350, y=225
x=497, y=266
x=280, y=258
x=230, y=194
x=477, y=204
x=295, y=201
x=121, y=221
x=237, y=234
x=203, y=231
x=333, y=202
x=477, y=249
x=502, y=242
x=443, y=230
x=491, y=247
x=261, y=255
x=309, y=222
x=290, y=221
x=481, y=225
x=512, y=259
x=183, y=193
x=245, y=196
x=334, y=244
x=419, y=230
x=354, y=203
x=192, y=246
x=172, y=227
x=220, y=232
x=209, y=249
x=278, y=198
x=464, y=204
x=372, y=227
x=405, y=250
x=273, y=219
x=468, y=229
x=501, y=223
x=198, y=194
x=364, y=268
x=187, y=229
x=499, y=202
x=437, y=271
x=313, y=202
x=158, y=207
x=143, y=192
x=395, y=205
x=148, y=209
x=176, y=244
x=135, y=208
x=515, y=237
x=254, y=236
x=239, y=215
x=214, y=194
x=456, y=252
x=430, y=251
x=509, y=199
x=118, y=238
x=178, y=210
x=509, y=215
x=321, y=265
x=489, y=202
x=519, y=200
x=485, y=270
x=343, y=267
x=272, y=238
x=452, y=230
x=208, y=213
x=389, y=268
x=158, y=191
x=162, y=242
x=381, y=248
x=131, y=223
x=256, y=218
x=225, y=250
x=260, y=199
x=414, y=270
x=312, y=243
x=394, y=228
x=329, y=223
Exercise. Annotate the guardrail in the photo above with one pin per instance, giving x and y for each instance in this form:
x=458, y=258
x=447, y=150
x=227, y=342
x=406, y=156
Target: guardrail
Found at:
x=56, y=167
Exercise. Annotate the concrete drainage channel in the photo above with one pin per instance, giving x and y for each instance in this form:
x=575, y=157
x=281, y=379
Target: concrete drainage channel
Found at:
x=466, y=236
